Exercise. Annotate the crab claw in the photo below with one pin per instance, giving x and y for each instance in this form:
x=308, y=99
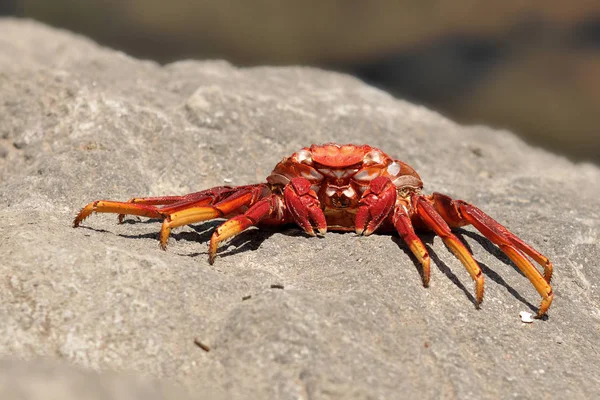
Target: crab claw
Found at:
x=303, y=203
x=375, y=205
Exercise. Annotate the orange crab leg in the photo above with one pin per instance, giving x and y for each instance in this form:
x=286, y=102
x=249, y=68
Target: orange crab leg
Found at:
x=375, y=205
x=117, y=207
x=151, y=201
x=465, y=213
x=157, y=201
x=405, y=228
x=436, y=223
x=449, y=209
x=492, y=229
x=203, y=197
x=145, y=206
x=198, y=213
x=264, y=208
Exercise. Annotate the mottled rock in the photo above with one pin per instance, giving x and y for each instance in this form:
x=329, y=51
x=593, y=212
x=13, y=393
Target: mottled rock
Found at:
x=79, y=123
x=44, y=379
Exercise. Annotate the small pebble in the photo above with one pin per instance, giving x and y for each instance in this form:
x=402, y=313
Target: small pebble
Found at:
x=526, y=317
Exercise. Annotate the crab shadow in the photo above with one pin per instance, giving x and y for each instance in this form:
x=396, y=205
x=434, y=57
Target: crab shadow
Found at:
x=487, y=271
x=248, y=240
x=251, y=239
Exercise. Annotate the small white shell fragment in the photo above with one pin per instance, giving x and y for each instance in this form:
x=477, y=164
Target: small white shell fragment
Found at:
x=526, y=317
x=227, y=180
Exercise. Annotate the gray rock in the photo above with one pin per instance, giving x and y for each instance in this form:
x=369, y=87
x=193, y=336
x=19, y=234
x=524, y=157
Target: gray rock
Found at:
x=80, y=123
x=44, y=379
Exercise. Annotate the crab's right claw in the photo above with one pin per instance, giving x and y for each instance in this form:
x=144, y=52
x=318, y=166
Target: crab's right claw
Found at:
x=303, y=204
x=375, y=205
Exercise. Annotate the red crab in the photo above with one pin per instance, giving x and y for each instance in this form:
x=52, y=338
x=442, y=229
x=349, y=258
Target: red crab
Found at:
x=341, y=188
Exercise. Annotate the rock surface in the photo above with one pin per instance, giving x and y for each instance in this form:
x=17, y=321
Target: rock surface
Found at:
x=80, y=123
x=44, y=379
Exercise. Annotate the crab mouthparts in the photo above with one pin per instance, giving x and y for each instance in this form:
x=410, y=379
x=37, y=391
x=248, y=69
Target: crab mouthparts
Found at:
x=340, y=197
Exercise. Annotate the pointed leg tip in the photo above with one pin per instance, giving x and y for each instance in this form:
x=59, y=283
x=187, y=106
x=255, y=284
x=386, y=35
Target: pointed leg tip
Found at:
x=359, y=231
x=213, y=246
x=478, y=301
x=322, y=231
x=542, y=312
x=79, y=218
x=212, y=255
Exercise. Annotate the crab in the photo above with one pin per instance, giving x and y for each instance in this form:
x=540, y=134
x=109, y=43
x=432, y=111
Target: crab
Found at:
x=339, y=188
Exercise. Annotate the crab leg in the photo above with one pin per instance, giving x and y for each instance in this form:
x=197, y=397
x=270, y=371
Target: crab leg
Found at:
x=461, y=213
x=178, y=215
x=158, y=201
x=405, y=228
x=268, y=207
x=118, y=207
x=146, y=206
x=203, y=197
x=375, y=205
x=436, y=223
x=142, y=209
x=150, y=201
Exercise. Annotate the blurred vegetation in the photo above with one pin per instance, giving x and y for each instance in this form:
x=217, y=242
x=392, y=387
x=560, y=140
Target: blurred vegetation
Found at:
x=529, y=66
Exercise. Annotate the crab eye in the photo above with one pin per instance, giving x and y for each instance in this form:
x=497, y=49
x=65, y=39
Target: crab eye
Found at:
x=373, y=157
x=367, y=174
x=393, y=169
x=304, y=156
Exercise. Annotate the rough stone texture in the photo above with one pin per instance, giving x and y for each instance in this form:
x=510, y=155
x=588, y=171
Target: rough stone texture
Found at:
x=48, y=380
x=79, y=123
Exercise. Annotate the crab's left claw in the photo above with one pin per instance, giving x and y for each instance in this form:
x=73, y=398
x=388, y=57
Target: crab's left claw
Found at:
x=375, y=205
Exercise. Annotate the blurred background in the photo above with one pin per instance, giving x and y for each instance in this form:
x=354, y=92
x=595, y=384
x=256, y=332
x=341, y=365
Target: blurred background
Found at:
x=526, y=65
